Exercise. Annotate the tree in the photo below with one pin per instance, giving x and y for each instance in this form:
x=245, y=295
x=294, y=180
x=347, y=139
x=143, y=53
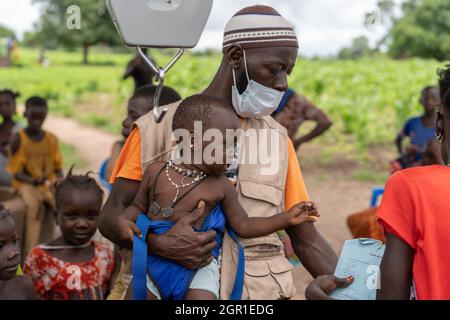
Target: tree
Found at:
x=359, y=48
x=384, y=14
x=6, y=32
x=422, y=31
x=75, y=23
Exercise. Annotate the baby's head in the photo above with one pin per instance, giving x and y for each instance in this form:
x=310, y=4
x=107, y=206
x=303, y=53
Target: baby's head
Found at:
x=9, y=246
x=216, y=116
x=78, y=204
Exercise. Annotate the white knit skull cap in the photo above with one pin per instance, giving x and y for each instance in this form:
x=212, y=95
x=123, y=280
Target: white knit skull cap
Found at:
x=259, y=27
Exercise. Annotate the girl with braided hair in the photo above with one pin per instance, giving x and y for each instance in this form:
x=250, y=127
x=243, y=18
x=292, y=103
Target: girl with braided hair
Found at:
x=73, y=266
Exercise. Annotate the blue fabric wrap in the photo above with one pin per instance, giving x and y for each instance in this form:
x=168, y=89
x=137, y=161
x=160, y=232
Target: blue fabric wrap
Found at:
x=284, y=100
x=172, y=279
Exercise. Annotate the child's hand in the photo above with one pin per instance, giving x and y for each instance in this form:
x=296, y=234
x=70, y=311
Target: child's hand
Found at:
x=127, y=228
x=303, y=212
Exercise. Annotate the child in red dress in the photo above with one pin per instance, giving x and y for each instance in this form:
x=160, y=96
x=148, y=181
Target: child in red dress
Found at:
x=73, y=267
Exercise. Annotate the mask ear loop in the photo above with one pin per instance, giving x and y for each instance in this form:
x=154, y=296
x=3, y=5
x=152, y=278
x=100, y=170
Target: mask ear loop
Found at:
x=245, y=65
x=234, y=76
x=246, y=70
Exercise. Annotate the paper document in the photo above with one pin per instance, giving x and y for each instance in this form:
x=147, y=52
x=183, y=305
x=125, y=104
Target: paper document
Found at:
x=360, y=258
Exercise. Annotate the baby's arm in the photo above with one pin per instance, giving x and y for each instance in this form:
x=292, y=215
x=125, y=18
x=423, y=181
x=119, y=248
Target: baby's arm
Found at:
x=127, y=220
x=254, y=227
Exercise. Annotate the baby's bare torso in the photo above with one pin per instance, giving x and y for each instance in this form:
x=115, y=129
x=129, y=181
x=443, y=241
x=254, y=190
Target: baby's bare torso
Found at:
x=210, y=190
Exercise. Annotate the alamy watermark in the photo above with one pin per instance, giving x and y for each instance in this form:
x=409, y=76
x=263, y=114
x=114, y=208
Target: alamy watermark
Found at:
x=235, y=146
x=73, y=19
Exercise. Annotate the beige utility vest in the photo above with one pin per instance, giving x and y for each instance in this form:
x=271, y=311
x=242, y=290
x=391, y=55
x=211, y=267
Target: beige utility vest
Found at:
x=267, y=271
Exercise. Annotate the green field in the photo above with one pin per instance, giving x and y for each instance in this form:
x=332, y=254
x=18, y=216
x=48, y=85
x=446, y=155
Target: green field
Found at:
x=368, y=100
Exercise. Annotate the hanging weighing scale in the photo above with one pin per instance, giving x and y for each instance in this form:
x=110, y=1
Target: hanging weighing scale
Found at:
x=160, y=24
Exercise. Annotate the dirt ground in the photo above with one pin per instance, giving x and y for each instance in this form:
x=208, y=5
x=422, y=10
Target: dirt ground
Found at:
x=91, y=144
x=332, y=186
x=337, y=197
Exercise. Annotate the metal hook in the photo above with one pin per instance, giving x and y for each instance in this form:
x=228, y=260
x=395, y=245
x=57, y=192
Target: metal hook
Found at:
x=160, y=73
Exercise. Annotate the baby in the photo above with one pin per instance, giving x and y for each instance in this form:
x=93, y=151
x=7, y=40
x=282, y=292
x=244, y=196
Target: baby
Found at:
x=169, y=191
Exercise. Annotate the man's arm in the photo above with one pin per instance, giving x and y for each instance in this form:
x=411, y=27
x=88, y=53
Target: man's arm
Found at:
x=312, y=113
x=312, y=249
x=115, y=151
x=309, y=245
x=122, y=195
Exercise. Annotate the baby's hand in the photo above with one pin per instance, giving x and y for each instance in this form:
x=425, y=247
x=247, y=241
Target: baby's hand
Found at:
x=303, y=212
x=127, y=228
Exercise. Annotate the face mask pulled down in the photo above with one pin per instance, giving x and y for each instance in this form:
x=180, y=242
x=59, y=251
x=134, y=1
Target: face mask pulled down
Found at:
x=257, y=100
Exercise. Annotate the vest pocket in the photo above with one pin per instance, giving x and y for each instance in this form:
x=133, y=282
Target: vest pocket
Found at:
x=269, y=279
x=261, y=191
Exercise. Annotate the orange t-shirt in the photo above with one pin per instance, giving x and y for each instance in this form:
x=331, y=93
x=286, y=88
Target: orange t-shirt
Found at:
x=416, y=208
x=128, y=166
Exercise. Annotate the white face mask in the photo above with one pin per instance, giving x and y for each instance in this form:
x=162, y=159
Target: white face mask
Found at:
x=257, y=100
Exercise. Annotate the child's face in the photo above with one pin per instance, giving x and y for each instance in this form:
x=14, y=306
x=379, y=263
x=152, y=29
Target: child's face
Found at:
x=9, y=249
x=430, y=100
x=7, y=106
x=137, y=107
x=78, y=215
x=225, y=120
x=35, y=117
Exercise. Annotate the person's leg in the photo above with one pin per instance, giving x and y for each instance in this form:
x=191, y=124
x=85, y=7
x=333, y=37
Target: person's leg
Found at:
x=205, y=284
x=150, y=294
x=198, y=294
x=33, y=220
x=118, y=289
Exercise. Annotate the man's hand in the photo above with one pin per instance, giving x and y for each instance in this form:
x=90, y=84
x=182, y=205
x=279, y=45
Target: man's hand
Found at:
x=321, y=287
x=303, y=212
x=182, y=244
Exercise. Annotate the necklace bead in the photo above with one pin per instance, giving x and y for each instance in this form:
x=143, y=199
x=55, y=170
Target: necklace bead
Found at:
x=196, y=175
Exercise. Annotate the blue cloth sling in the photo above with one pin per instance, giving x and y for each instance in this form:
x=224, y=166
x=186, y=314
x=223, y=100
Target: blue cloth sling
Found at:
x=172, y=279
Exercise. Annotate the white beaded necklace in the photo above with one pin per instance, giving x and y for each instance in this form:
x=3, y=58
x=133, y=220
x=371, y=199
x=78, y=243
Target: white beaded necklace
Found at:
x=196, y=175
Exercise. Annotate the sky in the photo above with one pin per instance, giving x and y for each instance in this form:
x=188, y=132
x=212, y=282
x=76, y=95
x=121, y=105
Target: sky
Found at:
x=322, y=26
